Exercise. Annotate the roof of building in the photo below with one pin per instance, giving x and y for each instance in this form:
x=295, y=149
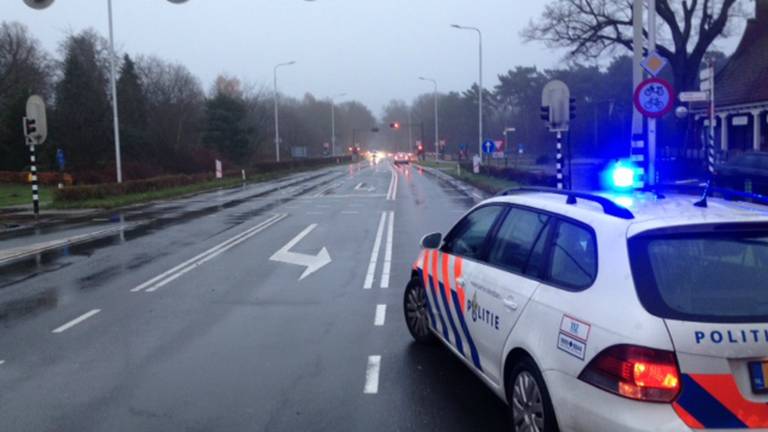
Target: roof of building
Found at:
x=743, y=79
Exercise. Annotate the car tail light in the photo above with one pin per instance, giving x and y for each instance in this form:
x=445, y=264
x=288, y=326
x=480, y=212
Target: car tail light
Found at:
x=635, y=372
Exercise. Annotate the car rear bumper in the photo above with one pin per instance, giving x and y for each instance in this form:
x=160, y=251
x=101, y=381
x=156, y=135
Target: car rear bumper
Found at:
x=581, y=407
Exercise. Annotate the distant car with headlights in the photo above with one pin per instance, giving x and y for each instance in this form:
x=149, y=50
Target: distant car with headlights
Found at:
x=594, y=312
x=402, y=159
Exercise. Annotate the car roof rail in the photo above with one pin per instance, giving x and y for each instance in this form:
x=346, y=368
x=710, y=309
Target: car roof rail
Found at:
x=710, y=190
x=609, y=207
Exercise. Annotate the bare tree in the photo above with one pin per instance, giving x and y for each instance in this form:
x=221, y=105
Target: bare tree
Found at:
x=591, y=28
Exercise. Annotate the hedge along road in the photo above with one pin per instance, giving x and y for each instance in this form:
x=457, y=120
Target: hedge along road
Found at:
x=238, y=341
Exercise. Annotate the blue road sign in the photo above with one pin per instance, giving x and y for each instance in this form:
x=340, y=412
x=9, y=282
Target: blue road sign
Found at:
x=489, y=146
x=60, y=159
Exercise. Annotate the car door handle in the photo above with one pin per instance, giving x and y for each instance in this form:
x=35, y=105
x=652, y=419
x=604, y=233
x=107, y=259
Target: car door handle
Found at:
x=510, y=304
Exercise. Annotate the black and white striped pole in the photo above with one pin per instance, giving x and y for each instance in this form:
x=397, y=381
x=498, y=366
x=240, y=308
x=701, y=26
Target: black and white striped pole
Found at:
x=560, y=160
x=35, y=133
x=35, y=189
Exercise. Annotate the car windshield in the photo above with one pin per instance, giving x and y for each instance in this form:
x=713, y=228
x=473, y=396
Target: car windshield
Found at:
x=703, y=275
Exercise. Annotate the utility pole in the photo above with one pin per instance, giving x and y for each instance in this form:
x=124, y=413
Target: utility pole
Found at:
x=637, y=143
x=651, y=121
x=277, y=112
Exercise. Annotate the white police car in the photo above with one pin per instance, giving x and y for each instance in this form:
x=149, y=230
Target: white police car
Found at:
x=586, y=315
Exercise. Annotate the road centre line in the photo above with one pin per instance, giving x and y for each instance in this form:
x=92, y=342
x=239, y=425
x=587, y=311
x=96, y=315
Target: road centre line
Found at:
x=387, y=266
x=76, y=321
x=381, y=315
x=192, y=263
x=392, y=192
x=372, y=375
x=375, y=253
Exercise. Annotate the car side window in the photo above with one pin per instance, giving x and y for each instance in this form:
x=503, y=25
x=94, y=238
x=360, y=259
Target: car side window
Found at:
x=516, y=237
x=468, y=237
x=574, y=256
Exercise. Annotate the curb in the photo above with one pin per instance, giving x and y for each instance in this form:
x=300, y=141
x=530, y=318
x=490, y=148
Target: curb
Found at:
x=470, y=191
x=15, y=254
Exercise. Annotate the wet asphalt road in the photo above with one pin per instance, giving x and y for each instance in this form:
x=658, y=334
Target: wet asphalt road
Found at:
x=180, y=321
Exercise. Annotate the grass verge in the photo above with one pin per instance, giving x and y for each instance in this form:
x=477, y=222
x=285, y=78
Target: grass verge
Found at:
x=176, y=192
x=492, y=185
x=12, y=194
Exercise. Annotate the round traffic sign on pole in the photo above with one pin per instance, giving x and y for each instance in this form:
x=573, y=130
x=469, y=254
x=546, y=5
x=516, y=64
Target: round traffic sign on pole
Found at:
x=654, y=97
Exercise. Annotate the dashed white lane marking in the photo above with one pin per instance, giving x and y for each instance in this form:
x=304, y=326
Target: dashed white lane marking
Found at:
x=381, y=315
x=375, y=253
x=76, y=321
x=2, y=362
x=372, y=375
x=476, y=195
x=166, y=277
x=387, y=267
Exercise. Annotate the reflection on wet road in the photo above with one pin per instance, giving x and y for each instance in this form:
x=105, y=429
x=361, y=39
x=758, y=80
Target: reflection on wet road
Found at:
x=233, y=340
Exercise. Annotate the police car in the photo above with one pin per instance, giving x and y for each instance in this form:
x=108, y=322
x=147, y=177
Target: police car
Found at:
x=594, y=312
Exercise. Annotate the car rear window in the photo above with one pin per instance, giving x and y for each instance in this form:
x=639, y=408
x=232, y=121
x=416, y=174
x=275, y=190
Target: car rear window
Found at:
x=703, y=276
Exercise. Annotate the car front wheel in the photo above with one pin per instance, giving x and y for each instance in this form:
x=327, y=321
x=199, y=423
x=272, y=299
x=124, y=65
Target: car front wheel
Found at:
x=416, y=313
x=530, y=408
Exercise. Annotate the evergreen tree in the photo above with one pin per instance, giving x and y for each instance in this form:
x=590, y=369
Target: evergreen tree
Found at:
x=132, y=105
x=83, y=118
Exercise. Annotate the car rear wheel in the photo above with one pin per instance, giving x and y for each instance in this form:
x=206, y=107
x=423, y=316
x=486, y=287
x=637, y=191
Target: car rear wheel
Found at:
x=530, y=408
x=415, y=307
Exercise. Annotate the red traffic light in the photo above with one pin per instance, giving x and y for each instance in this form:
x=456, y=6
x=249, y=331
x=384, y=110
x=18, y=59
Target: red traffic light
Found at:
x=394, y=125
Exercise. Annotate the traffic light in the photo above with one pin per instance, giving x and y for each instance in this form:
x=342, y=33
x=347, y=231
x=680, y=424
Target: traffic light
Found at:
x=572, y=108
x=394, y=125
x=545, y=114
x=30, y=127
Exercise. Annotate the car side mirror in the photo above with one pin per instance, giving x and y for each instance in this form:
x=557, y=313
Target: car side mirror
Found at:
x=431, y=241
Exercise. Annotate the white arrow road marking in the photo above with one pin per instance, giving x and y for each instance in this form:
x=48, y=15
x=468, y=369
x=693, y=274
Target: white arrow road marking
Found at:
x=76, y=321
x=313, y=263
x=363, y=187
x=166, y=277
x=372, y=375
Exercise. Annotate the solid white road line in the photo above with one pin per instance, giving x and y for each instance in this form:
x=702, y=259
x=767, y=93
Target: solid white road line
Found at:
x=372, y=375
x=381, y=315
x=166, y=277
x=392, y=192
x=387, y=266
x=76, y=321
x=375, y=253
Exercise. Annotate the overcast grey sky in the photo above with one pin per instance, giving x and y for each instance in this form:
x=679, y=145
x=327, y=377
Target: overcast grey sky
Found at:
x=374, y=50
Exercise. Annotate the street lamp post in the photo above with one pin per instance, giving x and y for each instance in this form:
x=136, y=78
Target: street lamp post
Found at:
x=480, y=83
x=437, y=122
x=333, y=122
x=112, y=77
x=277, y=113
